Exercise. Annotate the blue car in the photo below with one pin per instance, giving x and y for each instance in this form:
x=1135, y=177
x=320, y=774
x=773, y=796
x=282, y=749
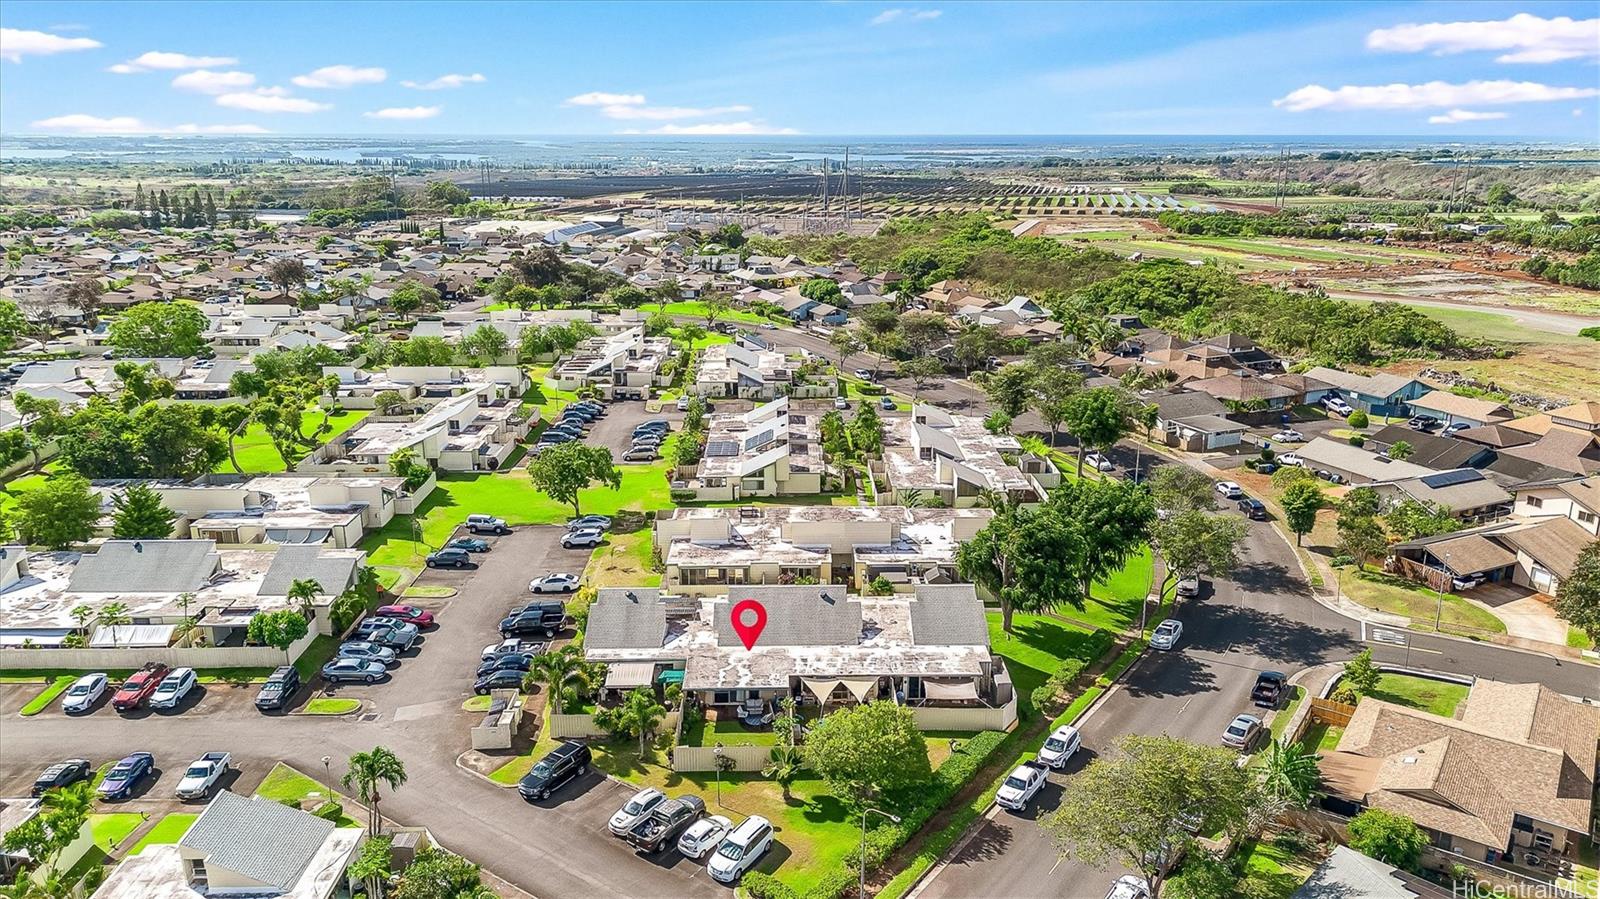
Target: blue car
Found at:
x=125, y=776
x=347, y=670
x=367, y=652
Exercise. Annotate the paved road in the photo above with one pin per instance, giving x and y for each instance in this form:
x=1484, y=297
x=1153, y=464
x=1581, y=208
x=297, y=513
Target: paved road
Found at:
x=1263, y=617
x=553, y=849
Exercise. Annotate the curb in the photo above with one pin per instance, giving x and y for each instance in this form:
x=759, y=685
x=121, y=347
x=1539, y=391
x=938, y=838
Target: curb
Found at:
x=361, y=705
x=483, y=777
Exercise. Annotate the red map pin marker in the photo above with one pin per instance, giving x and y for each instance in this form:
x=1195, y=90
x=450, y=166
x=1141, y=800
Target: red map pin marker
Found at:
x=749, y=619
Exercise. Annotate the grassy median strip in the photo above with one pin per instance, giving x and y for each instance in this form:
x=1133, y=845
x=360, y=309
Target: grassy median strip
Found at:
x=41, y=702
x=324, y=705
x=170, y=829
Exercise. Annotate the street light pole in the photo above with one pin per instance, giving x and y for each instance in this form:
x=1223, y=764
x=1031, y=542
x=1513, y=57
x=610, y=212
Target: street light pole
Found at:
x=327, y=775
x=868, y=810
x=717, y=751
x=1438, y=614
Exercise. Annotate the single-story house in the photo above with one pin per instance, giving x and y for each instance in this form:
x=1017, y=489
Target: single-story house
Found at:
x=1355, y=464
x=1453, y=409
x=1380, y=394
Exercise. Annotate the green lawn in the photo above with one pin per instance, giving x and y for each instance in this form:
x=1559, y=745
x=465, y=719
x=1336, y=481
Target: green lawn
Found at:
x=509, y=495
x=1114, y=603
x=324, y=705
x=167, y=831
x=20, y=485
x=1578, y=638
x=728, y=733
x=1322, y=738
x=1280, y=720
x=110, y=830
x=695, y=307
x=1402, y=597
x=257, y=454
x=623, y=560
x=285, y=783
x=41, y=702
x=1271, y=872
x=1439, y=697
x=1036, y=648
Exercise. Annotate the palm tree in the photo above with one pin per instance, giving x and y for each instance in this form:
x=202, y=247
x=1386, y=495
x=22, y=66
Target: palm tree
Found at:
x=1290, y=774
x=305, y=591
x=113, y=614
x=554, y=670
x=82, y=614
x=187, y=632
x=369, y=769
x=367, y=581
x=783, y=766
x=913, y=499
x=639, y=714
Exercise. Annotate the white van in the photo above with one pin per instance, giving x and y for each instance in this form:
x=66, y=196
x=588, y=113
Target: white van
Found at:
x=740, y=850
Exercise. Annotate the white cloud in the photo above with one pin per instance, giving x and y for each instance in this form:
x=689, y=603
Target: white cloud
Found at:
x=1577, y=112
x=205, y=81
x=714, y=128
x=445, y=82
x=1434, y=94
x=905, y=15
x=81, y=123
x=270, y=99
x=601, y=98
x=16, y=43
x=220, y=129
x=162, y=60
x=405, y=112
x=1457, y=116
x=1529, y=38
x=667, y=113
x=340, y=76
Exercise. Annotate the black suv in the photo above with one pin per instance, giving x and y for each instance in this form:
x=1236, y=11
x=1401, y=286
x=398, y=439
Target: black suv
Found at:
x=279, y=689
x=565, y=762
x=544, y=618
x=1253, y=509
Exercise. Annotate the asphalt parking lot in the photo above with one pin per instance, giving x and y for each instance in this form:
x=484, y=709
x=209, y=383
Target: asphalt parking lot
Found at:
x=614, y=430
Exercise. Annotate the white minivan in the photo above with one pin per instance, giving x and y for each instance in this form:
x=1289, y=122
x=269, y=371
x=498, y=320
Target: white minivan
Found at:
x=740, y=850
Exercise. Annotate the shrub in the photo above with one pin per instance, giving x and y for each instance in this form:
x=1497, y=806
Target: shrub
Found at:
x=682, y=496
x=1341, y=561
x=764, y=886
x=872, y=390
x=329, y=811
x=1357, y=419
x=833, y=885
x=1357, y=440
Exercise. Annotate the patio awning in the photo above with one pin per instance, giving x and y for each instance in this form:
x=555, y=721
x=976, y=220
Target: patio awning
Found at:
x=821, y=687
x=950, y=689
x=859, y=687
x=671, y=676
x=626, y=675
x=126, y=636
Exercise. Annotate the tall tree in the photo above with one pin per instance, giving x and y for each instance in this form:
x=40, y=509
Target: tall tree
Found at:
x=159, y=329
x=1135, y=806
x=638, y=716
x=1010, y=388
x=486, y=343
x=716, y=305
x=413, y=296
x=1578, y=596
x=279, y=630
x=565, y=470
x=60, y=512
x=113, y=615
x=1300, y=505
x=867, y=750
x=1388, y=837
x=553, y=671
x=55, y=826
x=286, y=272
x=1096, y=418
x=845, y=342
x=1290, y=773
x=366, y=773
x=141, y=515
x=1027, y=559
x=1114, y=518
x=85, y=294
x=1195, y=542
x=303, y=592
x=1179, y=488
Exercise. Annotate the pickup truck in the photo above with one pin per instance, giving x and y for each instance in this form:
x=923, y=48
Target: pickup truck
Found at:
x=1269, y=688
x=203, y=774
x=660, y=829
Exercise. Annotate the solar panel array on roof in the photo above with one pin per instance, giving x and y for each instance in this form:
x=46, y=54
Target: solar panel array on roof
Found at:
x=1452, y=478
x=760, y=439
x=722, y=448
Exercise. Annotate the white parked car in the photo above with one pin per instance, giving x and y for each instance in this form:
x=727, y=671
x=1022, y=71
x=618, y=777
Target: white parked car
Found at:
x=683, y=404
x=1289, y=435
x=1229, y=489
x=740, y=850
x=1189, y=586
x=703, y=836
x=84, y=692
x=1098, y=462
x=1291, y=459
x=840, y=402
x=1166, y=634
x=1060, y=746
x=642, y=803
x=1241, y=732
x=173, y=688
x=509, y=646
x=1129, y=886
x=560, y=582
x=1020, y=787
x=1336, y=405
x=587, y=538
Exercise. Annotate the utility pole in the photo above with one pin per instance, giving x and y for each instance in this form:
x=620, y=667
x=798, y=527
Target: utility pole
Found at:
x=844, y=188
x=825, y=207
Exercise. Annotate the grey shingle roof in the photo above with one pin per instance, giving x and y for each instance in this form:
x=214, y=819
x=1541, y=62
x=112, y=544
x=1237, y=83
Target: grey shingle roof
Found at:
x=1185, y=403
x=145, y=566
x=812, y=615
x=626, y=618
x=949, y=615
x=233, y=830
x=291, y=563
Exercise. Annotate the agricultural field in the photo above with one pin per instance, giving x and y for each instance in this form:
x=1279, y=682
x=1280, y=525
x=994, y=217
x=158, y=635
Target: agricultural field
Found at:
x=1473, y=288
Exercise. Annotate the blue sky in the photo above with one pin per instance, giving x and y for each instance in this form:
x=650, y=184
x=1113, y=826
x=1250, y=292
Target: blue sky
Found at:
x=897, y=67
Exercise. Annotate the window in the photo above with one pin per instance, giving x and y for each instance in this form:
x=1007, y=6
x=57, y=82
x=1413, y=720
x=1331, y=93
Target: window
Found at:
x=1585, y=517
x=1535, y=502
x=197, y=874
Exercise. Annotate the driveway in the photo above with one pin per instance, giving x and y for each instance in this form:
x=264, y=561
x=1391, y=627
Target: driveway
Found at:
x=1522, y=611
x=553, y=850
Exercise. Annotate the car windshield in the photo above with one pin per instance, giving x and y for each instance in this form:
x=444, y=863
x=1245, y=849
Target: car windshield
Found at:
x=272, y=686
x=730, y=850
x=543, y=769
x=1055, y=743
x=197, y=771
x=79, y=689
x=634, y=807
x=1016, y=783
x=1237, y=730
x=1166, y=628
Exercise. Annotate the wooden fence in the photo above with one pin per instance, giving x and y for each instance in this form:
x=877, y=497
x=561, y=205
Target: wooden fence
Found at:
x=704, y=758
x=1326, y=711
x=966, y=717
x=129, y=657
x=582, y=726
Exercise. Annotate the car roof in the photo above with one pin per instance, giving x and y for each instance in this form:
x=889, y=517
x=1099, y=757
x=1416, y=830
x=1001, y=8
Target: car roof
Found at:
x=747, y=828
x=1065, y=730
x=1169, y=622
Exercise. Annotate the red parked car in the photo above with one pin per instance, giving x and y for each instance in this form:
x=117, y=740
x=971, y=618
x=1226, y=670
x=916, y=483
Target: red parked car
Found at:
x=409, y=614
x=137, y=689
